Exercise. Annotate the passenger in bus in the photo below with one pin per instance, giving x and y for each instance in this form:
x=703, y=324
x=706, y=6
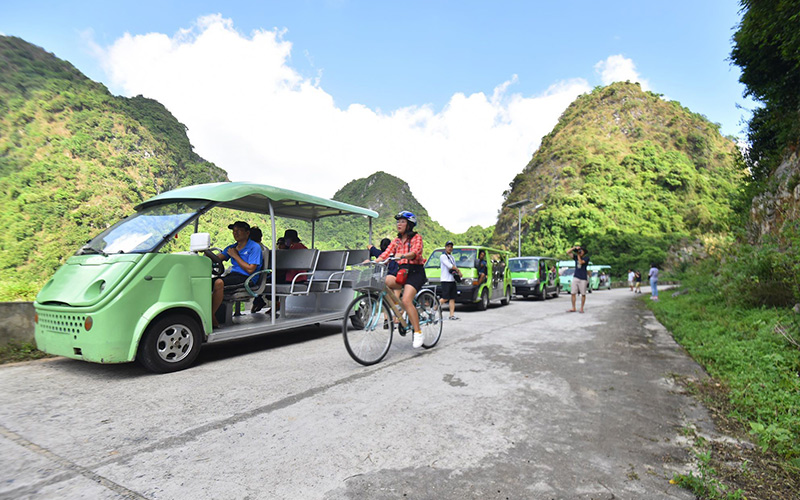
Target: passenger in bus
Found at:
x=482, y=266
x=392, y=266
x=245, y=255
x=292, y=241
x=256, y=235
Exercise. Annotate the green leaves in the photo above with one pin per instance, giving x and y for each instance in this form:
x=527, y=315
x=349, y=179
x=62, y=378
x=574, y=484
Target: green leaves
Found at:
x=629, y=173
x=767, y=49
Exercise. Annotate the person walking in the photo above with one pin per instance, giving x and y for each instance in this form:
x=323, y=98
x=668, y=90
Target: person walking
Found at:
x=653, y=282
x=637, y=279
x=448, y=272
x=580, y=280
x=631, y=278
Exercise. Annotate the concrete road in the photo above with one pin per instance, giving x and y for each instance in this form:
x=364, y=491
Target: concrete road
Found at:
x=522, y=401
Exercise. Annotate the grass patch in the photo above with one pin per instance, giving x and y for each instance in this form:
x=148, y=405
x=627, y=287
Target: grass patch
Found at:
x=743, y=349
x=20, y=351
x=755, y=393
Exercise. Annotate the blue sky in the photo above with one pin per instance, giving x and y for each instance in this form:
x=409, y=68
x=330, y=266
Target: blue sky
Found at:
x=311, y=94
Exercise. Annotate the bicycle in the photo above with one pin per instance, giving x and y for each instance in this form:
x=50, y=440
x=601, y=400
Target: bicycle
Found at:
x=371, y=316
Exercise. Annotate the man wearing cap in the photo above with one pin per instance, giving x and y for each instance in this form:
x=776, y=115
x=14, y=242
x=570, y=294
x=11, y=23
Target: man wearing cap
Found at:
x=246, y=257
x=447, y=271
x=580, y=280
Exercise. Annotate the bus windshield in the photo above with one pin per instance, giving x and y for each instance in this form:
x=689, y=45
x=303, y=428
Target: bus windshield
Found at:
x=524, y=265
x=463, y=258
x=144, y=231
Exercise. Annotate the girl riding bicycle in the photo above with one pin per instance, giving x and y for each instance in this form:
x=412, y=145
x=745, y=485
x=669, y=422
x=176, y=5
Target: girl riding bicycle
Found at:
x=407, y=248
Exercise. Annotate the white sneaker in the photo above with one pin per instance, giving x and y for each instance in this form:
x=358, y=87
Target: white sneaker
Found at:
x=418, y=339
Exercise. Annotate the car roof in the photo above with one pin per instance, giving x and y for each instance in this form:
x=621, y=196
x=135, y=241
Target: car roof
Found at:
x=251, y=197
x=475, y=247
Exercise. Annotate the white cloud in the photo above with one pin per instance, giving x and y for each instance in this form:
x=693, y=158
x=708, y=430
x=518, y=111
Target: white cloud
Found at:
x=248, y=111
x=618, y=68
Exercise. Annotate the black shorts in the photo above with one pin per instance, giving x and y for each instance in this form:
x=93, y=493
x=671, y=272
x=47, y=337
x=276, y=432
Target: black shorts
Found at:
x=231, y=279
x=449, y=290
x=416, y=275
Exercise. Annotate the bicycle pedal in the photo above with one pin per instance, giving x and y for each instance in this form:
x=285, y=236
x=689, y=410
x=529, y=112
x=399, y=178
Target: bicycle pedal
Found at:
x=401, y=330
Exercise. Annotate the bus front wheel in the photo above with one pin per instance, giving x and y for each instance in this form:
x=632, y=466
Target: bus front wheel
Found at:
x=170, y=344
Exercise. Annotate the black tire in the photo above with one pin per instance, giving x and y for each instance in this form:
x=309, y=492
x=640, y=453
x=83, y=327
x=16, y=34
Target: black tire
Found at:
x=483, y=303
x=370, y=343
x=558, y=291
x=430, y=318
x=170, y=344
x=507, y=299
x=356, y=322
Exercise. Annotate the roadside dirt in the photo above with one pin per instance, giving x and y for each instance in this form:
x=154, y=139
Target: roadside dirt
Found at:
x=738, y=462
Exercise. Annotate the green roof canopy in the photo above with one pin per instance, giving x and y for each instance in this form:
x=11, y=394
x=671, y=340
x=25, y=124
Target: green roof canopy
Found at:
x=250, y=197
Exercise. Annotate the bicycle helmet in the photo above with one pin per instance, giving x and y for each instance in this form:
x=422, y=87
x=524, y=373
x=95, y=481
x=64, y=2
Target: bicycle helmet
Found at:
x=405, y=214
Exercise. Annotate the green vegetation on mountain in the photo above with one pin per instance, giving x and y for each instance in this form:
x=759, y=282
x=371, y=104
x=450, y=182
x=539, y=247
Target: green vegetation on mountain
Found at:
x=388, y=195
x=734, y=315
x=73, y=160
x=767, y=49
x=629, y=175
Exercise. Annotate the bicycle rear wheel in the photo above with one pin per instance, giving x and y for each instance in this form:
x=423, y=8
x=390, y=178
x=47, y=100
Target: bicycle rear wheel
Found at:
x=430, y=318
x=370, y=343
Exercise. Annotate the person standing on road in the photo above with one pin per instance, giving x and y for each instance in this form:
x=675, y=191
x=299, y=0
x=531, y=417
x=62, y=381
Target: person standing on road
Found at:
x=631, y=278
x=653, y=282
x=580, y=280
x=448, y=271
x=638, y=281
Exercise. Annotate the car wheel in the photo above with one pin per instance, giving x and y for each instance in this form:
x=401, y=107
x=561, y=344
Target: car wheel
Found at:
x=170, y=344
x=483, y=303
x=507, y=299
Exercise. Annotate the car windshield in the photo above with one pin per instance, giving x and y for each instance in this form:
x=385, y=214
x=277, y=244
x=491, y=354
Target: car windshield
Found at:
x=463, y=257
x=524, y=265
x=144, y=231
x=568, y=271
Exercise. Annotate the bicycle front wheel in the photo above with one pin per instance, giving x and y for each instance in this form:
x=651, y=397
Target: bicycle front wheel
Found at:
x=430, y=318
x=369, y=343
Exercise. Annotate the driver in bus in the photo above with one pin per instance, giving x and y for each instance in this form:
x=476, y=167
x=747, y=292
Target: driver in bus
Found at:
x=246, y=259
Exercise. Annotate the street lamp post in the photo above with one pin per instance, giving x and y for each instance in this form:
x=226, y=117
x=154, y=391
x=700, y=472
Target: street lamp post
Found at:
x=518, y=205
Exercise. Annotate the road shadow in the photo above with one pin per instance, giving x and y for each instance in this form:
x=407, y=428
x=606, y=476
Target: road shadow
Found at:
x=209, y=353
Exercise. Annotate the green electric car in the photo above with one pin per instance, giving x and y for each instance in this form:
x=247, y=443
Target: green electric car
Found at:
x=495, y=287
x=141, y=289
x=535, y=276
x=600, y=277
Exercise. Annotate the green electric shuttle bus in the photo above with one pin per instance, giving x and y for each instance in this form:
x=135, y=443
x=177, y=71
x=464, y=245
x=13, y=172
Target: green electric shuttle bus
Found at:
x=496, y=287
x=535, y=276
x=132, y=293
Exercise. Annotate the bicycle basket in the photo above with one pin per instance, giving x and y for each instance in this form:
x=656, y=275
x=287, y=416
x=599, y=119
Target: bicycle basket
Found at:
x=369, y=277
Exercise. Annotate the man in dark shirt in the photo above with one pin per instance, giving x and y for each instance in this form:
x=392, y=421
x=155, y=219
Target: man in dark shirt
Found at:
x=580, y=281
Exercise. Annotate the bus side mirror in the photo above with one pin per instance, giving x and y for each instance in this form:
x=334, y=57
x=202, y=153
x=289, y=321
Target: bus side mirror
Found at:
x=200, y=242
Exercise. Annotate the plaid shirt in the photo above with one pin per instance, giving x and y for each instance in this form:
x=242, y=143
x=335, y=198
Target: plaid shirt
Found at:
x=400, y=247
